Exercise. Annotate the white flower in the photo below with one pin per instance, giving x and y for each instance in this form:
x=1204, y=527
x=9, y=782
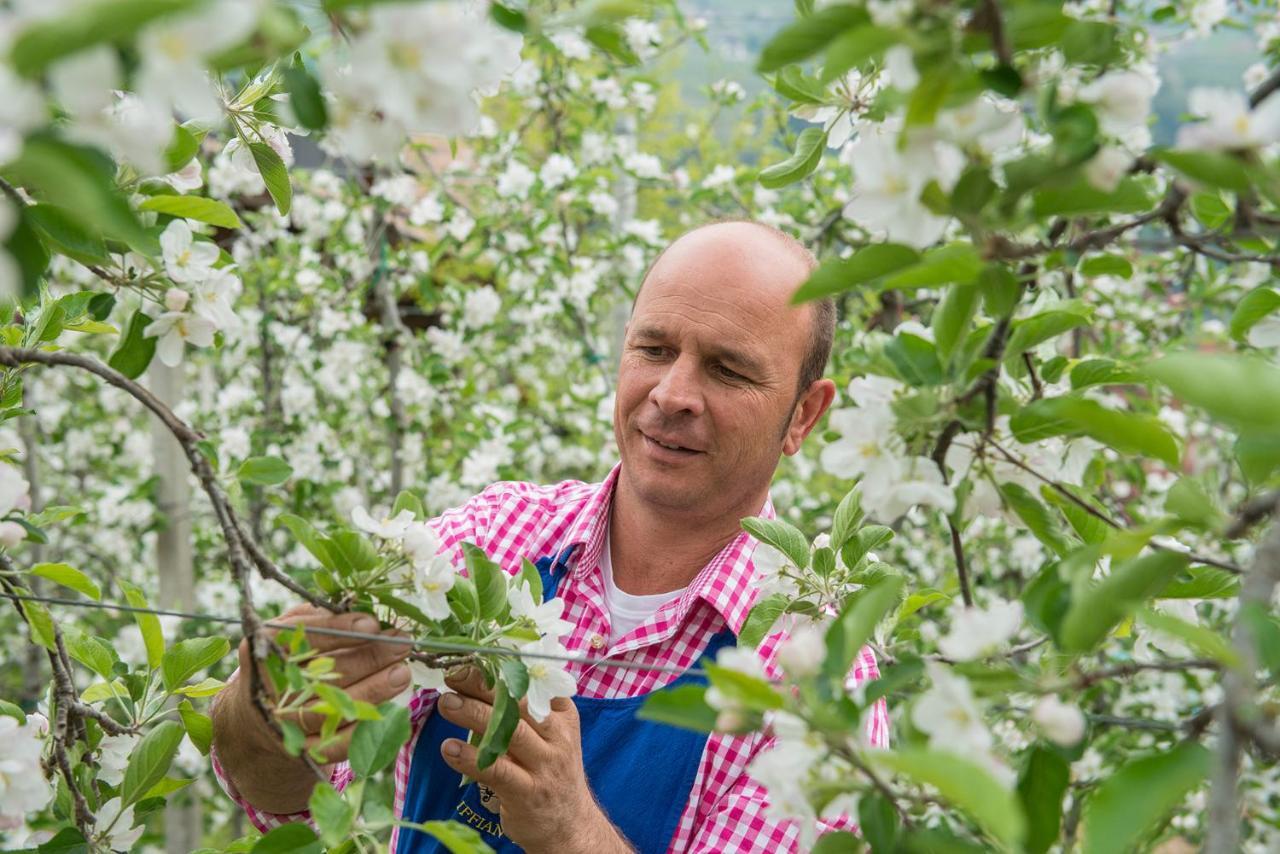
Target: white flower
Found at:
x=131, y=129
x=186, y=179
x=1105, y=169
x=888, y=183
x=11, y=533
x=643, y=165
x=516, y=180
x=427, y=210
x=1206, y=14
x=548, y=678
x=23, y=787
x=433, y=578
x=720, y=176
x=175, y=329
x=1228, y=123
x=114, y=827
x=948, y=713
x=388, y=528
x=918, y=481
x=84, y=82
x=643, y=37
x=803, y=651
x=785, y=769
x=186, y=259
x=13, y=490
x=174, y=51
x=176, y=299
x=214, y=297
x=1121, y=99
x=480, y=307
x=557, y=169
x=977, y=631
x=1062, y=723
x=429, y=678
x=769, y=563
x=113, y=757
x=22, y=108
x=991, y=124
x=420, y=542
x=544, y=615
x=890, y=13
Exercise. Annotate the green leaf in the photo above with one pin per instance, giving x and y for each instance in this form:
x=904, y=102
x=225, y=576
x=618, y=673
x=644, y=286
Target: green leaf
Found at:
x=878, y=822
x=198, y=208
x=853, y=48
x=1102, y=372
x=148, y=625
x=1128, y=803
x=306, y=98
x=963, y=783
x=186, y=658
x=135, y=350
x=807, y=156
x=1204, y=582
x=455, y=837
x=206, y=687
x=1241, y=390
x=972, y=192
x=806, y=36
x=1042, y=523
x=274, y=174
x=502, y=725
x=62, y=232
x=490, y=581
x=955, y=262
x=1000, y=289
x=92, y=652
x=374, y=744
x=406, y=500
x=184, y=146
x=1081, y=198
x=514, y=675
x=1039, y=328
x=1258, y=455
x=1106, y=265
x=43, y=41
x=12, y=710
x=530, y=576
x=858, y=619
x=68, y=576
x=293, y=838
x=868, y=538
x=952, y=317
x=748, y=691
x=1204, y=641
x=333, y=816
x=763, y=614
x=150, y=760
x=1215, y=168
x=199, y=727
x=68, y=840
x=1265, y=629
x=352, y=553
x=848, y=516
x=683, y=706
x=867, y=264
x=1190, y=501
x=1256, y=305
x=264, y=471
x=1101, y=607
x=1210, y=210
x=915, y=359
x=837, y=842
x=1041, y=787
x=309, y=537
x=80, y=181
x=39, y=624
x=791, y=82
x=1127, y=432
x=936, y=83
x=783, y=536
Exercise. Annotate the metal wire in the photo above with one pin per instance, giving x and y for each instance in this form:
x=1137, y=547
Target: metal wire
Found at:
x=424, y=645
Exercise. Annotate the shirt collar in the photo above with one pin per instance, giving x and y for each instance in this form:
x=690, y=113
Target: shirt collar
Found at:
x=724, y=583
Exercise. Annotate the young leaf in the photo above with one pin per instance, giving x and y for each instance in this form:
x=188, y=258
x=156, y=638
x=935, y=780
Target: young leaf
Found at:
x=274, y=174
x=1041, y=787
x=150, y=760
x=293, y=838
x=375, y=743
x=502, y=724
x=847, y=518
x=68, y=576
x=185, y=658
x=514, y=675
x=264, y=471
x=1243, y=391
x=198, y=208
x=135, y=350
x=490, y=581
x=782, y=536
x=867, y=264
x=333, y=816
x=1130, y=801
x=808, y=154
x=199, y=727
x=806, y=36
x=862, y=612
x=1101, y=608
x=683, y=706
x=763, y=614
x=148, y=625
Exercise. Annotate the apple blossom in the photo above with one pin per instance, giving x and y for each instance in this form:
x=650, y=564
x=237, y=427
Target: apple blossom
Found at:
x=23, y=787
x=976, y=632
x=1062, y=723
x=1228, y=122
x=548, y=678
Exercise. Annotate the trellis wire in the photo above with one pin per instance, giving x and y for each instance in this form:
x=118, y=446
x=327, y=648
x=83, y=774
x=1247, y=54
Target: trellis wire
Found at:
x=424, y=645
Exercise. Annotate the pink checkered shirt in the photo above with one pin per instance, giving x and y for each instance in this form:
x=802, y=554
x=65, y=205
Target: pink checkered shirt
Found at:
x=726, y=810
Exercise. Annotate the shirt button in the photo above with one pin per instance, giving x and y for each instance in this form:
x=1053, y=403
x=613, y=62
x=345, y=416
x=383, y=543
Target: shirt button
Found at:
x=597, y=641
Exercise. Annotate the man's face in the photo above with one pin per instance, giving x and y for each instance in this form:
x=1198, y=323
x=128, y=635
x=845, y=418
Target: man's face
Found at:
x=709, y=373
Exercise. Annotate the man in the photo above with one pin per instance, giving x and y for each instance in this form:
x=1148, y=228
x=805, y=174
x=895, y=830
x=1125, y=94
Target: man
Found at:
x=720, y=375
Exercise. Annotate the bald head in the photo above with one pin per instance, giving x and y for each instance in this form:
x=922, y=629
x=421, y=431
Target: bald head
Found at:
x=765, y=259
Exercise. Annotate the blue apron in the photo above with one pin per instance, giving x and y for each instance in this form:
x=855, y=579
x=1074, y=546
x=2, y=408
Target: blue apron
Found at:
x=640, y=772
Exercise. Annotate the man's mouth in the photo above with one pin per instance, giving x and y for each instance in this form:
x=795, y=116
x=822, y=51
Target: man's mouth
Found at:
x=668, y=445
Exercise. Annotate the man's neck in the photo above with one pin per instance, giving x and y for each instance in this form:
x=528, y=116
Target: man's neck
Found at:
x=655, y=550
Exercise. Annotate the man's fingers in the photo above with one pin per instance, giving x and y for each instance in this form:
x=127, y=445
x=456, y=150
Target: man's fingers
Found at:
x=353, y=621
x=526, y=745
x=504, y=776
x=359, y=662
x=470, y=682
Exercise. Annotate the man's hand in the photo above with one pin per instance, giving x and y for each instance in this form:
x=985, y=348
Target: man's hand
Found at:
x=251, y=753
x=543, y=797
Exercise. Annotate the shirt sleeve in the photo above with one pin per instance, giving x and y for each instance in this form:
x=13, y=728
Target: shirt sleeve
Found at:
x=738, y=821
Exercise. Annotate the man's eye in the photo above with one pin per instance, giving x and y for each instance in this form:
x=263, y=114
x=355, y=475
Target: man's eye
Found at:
x=652, y=352
x=729, y=374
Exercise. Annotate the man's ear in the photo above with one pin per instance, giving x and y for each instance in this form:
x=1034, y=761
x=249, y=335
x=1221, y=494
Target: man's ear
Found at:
x=815, y=401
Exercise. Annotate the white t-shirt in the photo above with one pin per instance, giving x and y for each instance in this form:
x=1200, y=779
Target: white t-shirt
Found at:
x=626, y=610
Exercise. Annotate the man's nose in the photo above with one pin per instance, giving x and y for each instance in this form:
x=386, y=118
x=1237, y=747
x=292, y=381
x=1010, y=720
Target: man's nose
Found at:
x=679, y=390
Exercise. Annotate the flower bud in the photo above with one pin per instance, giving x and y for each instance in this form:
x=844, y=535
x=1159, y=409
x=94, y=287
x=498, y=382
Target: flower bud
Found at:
x=176, y=299
x=1062, y=723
